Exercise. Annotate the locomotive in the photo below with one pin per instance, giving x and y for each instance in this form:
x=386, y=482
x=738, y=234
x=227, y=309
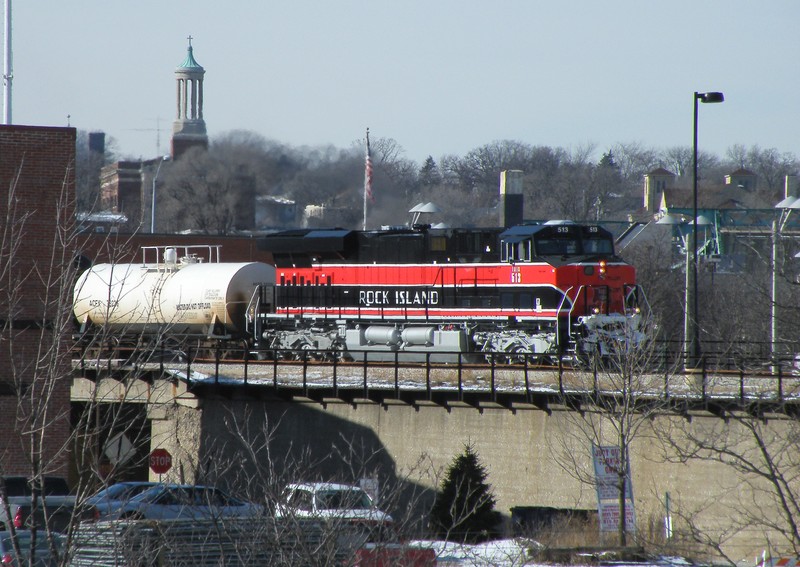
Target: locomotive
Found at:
x=535, y=291
x=530, y=292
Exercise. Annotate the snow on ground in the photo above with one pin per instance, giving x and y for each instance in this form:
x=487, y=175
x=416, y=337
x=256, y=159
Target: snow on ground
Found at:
x=499, y=553
x=513, y=553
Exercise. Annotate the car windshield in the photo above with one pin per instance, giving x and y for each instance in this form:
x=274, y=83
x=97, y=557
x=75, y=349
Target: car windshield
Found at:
x=343, y=500
x=148, y=494
x=120, y=491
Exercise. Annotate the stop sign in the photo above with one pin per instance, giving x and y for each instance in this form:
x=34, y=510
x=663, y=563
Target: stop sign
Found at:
x=160, y=461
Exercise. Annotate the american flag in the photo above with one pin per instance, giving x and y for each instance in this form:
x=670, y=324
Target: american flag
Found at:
x=368, y=174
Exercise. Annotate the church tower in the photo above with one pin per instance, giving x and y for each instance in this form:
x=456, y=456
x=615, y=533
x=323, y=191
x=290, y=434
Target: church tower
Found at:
x=189, y=128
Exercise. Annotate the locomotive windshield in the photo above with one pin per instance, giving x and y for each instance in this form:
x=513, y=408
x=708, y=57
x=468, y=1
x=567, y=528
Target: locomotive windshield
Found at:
x=523, y=243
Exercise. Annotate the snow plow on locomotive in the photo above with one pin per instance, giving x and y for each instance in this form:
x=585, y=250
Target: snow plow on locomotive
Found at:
x=535, y=292
x=528, y=293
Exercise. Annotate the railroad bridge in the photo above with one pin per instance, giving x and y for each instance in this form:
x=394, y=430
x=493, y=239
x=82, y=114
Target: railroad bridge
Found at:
x=407, y=420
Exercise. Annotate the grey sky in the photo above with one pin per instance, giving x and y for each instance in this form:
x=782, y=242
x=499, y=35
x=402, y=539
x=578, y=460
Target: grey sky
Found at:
x=440, y=77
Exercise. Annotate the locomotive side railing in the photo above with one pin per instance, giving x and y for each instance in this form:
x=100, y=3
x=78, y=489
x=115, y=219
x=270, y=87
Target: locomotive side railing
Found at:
x=564, y=299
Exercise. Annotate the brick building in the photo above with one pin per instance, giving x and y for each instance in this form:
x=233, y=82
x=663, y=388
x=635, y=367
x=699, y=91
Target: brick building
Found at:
x=37, y=170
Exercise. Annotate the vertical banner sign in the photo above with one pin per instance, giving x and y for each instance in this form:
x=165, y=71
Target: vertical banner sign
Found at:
x=607, y=464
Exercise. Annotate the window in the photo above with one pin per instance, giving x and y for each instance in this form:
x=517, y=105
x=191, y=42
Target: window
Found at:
x=556, y=246
x=524, y=251
x=301, y=499
x=343, y=500
x=171, y=498
x=438, y=244
x=598, y=246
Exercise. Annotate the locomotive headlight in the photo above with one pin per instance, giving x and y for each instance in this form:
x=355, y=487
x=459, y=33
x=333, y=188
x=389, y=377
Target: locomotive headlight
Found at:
x=596, y=310
x=602, y=269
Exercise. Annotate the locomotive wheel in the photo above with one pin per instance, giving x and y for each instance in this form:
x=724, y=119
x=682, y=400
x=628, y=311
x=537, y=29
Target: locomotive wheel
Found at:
x=309, y=352
x=499, y=358
x=299, y=353
x=542, y=360
x=334, y=354
x=517, y=355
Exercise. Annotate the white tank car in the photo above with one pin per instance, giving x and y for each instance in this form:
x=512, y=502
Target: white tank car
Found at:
x=174, y=297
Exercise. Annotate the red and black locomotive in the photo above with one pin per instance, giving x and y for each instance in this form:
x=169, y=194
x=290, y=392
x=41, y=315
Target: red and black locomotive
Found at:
x=535, y=291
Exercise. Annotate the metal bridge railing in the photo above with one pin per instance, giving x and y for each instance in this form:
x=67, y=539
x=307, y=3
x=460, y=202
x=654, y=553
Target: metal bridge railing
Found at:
x=730, y=373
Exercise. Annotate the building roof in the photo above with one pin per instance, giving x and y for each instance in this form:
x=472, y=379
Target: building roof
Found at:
x=741, y=171
x=661, y=171
x=716, y=197
x=190, y=62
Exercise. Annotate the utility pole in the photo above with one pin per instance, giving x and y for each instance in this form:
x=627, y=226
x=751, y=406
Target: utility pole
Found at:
x=8, y=73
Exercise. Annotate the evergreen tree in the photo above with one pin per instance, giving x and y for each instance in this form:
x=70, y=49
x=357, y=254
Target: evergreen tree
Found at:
x=608, y=160
x=464, y=508
x=429, y=173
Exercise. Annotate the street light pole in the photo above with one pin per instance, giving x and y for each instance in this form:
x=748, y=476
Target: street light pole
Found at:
x=153, y=203
x=691, y=327
x=785, y=208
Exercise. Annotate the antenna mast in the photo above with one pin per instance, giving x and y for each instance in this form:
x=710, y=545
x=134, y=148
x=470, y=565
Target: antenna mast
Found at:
x=8, y=74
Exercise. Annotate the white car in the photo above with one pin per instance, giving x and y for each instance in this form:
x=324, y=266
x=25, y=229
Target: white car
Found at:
x=177, y=501
x=114, y=496
x=336, y=503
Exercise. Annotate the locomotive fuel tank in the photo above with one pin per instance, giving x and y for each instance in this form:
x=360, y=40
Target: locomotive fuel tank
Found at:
x=179, y=298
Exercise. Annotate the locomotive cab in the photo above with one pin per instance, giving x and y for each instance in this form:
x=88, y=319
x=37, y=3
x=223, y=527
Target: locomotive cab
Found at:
x=599, y=308
x=555, y=242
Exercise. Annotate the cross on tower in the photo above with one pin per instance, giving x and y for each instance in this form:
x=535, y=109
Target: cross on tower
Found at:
x=190, y=40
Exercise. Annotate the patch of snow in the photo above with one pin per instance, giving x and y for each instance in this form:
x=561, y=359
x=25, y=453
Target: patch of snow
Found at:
x=499, y=553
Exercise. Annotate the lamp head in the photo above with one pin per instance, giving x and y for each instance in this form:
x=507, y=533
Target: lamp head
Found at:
x=710, y=97
x=669, y=218
x=789, y=203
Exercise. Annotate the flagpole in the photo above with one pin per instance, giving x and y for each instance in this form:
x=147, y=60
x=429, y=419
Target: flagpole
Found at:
x=367, y=182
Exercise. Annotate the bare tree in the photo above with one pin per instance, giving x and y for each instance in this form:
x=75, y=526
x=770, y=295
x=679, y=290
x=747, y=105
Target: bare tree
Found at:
x=88, y=163
x=763, y=456
x=634, y=161
x=35, y=299
x=207, y=194
x=771, y=166
x=613, y=402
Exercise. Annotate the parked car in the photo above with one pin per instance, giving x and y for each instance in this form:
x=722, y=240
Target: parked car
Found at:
x=179, y=501
x=337, y=503
x=43, y=555
x=115, y=495
x=56, y=503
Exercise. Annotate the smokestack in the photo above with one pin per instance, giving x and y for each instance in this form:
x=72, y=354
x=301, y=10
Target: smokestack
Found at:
x=511, y=199
x=97, y=142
